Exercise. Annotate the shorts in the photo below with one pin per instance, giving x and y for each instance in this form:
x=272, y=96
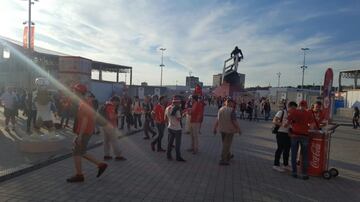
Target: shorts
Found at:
x=81, y=150
x=9, y=113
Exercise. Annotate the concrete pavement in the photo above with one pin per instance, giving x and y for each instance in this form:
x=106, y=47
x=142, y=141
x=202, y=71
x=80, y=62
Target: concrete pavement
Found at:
x=148, y=176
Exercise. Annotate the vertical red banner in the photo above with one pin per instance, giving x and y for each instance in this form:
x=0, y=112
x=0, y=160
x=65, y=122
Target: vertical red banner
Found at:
x=26, y=39
x=327, y=89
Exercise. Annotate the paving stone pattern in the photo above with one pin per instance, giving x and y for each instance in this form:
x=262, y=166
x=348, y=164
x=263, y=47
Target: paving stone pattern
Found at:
x=148, y=176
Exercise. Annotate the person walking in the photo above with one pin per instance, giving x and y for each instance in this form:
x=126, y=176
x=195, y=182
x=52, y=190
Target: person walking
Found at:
x=300, y=120
x=173, y=118
x=282, y=137
x=159, y=117
x=8, y=101
x=137, y=110
x=355, y=119
x=147, y=111
x=84, y=128
x=227, y=124
x=197, y=115
x=110, y=130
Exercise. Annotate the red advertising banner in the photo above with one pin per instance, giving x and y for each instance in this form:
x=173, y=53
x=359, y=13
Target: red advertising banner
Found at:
x=327, y=88
x=26, y=39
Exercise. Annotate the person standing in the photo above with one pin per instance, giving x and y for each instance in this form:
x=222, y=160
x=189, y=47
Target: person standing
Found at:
x=197, y=115
x=137, y=110
x=237, y=53
x=84, y=128
x=65, y=103
x=227, y=124
x=282, y=137
x=173, y=118
x=147, y=111
x=30, y=111
x=110, y=130
x=159, y=117
x=300, y=120
x=355, y=118
x=267, y=109
x=9, y=100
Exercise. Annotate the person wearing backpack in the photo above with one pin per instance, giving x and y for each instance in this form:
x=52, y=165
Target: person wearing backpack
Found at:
x=110, y=129
x=282, y=137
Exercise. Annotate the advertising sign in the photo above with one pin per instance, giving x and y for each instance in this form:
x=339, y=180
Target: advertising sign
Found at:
x=141, y=92
x=326, y=94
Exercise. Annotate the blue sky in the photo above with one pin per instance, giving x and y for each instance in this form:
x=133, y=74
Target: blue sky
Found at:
x=198, y=35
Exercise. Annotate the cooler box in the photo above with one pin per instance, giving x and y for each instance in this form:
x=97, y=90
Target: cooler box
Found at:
x=318, y=154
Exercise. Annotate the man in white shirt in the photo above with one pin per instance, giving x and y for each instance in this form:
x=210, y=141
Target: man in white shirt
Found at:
x=9, y=100
x=173, y=118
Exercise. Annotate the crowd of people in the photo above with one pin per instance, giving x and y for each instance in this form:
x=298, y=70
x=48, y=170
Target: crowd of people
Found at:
x=154, y=114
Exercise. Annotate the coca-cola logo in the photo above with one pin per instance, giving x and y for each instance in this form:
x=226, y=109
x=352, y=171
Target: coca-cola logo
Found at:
x=315, y=153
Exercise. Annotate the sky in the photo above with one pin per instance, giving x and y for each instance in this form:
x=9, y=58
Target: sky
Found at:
x=198, y=36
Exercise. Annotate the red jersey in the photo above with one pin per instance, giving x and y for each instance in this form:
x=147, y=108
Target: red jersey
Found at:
x=111, y=115
x=197, y=112
x=159, y=111
x=300, y=121
x=85, y=112
x=318, y=118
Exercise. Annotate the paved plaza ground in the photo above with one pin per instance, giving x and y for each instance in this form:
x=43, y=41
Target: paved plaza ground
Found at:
x=148, y=176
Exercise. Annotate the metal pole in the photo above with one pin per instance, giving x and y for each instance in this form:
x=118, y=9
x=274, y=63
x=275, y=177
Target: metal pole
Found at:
x=279, y=75
x=29, y=24
x=162, y=65
x=303, y=67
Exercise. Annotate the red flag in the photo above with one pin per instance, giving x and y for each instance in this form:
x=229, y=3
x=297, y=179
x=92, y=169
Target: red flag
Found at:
x=26, y=39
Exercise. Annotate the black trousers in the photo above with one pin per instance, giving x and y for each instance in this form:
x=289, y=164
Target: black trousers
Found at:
x=31, y=118
x=137, y=119
x=158, y=139
x=355, y=122
x=147, y=128
x=283, y=147
x=128, y=121
x=174, y=135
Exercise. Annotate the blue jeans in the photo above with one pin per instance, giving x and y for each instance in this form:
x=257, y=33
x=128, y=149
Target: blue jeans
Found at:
x=303, y=141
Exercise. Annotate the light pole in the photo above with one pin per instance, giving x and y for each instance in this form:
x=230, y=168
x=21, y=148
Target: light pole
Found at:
x=303, y=67
x=30, y=23
x=162, y=64
x=279, y=75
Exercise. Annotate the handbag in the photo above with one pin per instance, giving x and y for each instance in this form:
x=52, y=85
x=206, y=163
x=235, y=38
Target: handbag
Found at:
x=275, y=128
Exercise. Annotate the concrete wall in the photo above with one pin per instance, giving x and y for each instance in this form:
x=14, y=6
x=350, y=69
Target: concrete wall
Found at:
x=104, y=90
x=352, y=99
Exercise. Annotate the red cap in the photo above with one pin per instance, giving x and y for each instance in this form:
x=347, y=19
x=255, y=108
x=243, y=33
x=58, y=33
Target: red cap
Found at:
x=80, y=88
x=303, y=103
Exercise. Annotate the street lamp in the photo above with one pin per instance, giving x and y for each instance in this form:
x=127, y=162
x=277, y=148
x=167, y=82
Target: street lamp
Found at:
x=303, y=67
x=29, y=22
x=279, y=75
x=162, y=64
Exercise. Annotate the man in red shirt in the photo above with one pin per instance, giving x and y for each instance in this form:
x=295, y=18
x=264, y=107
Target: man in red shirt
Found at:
x=318, y=116
x=159, y=117
x=84, y=127
x=110, y=130
x=300, y=120
x=197, y=116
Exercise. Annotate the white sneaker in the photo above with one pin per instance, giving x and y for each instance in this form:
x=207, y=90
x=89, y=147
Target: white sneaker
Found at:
x=278, y=168
x=287, y=168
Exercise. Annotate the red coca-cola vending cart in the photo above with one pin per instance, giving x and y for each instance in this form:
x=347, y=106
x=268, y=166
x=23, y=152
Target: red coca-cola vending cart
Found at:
x=319, y=153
